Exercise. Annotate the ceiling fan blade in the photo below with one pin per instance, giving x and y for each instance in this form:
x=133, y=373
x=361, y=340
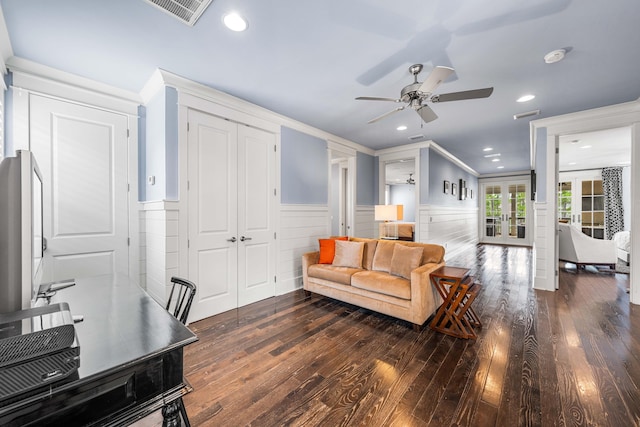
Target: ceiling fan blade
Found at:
x=467, y=94
x=427, y=114
x=435, y=79
x=386, y=114
x=376, y=98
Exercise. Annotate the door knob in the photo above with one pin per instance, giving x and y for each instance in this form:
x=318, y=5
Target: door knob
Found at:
x=242, y=238
x=233, y=239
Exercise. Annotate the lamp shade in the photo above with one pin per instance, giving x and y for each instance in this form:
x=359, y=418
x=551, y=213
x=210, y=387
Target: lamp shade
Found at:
x=388, y=212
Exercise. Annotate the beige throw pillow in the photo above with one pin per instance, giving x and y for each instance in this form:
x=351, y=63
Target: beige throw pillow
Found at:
x=383, y=255
x=405, y=259
x=348, y=254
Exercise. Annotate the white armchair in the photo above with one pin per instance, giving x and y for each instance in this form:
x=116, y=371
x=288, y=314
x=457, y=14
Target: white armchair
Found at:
x=580, y=249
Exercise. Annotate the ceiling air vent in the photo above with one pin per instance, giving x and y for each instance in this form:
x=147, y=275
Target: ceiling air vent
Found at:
x=187, y=11
x=414, y=138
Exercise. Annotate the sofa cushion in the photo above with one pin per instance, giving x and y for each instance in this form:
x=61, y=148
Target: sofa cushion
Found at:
x=369, y=251
x=328, y=249
x=329, y=272
x=383, y=255
x=382, y=283
x=405, y=259
x=348, y=254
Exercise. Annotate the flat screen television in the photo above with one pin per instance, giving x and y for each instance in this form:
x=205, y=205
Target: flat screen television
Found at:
x=22, y=242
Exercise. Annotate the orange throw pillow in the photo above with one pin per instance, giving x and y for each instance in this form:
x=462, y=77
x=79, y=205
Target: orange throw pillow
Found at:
x=328, y=249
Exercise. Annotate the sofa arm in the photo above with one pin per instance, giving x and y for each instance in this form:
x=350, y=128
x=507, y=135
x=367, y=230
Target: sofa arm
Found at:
x=308, y=259
x=424, y=296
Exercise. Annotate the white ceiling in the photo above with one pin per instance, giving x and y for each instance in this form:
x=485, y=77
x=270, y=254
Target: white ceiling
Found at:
x=595, y=150
x=310, y=60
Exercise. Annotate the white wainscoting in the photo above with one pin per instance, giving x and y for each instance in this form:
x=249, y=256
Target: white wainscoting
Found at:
x=544, y=250
x=454, y=228
x=161, y=247
x=300, y=228
x=365, y=224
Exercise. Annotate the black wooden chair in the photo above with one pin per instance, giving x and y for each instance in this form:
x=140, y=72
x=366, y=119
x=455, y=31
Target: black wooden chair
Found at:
x=180, y=305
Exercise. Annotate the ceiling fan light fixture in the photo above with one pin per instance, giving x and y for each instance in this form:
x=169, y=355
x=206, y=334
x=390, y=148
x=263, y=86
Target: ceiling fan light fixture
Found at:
x=555, y=56
x=487, y=149
x=401, y=128
x=235, y=22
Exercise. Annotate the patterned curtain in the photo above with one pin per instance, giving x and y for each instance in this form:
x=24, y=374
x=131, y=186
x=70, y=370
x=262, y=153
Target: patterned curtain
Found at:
x=613, y=212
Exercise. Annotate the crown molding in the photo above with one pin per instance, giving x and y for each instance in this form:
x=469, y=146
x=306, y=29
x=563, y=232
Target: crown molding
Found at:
x=34, y=77
x=161, y=78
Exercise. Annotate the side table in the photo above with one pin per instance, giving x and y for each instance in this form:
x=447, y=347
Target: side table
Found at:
x=458, y=290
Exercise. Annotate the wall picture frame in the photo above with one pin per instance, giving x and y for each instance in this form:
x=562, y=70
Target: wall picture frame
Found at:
x=446, y=187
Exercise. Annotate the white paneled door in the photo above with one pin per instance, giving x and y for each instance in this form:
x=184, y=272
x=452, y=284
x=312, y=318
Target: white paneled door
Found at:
x=231, y=233
x=82, y=153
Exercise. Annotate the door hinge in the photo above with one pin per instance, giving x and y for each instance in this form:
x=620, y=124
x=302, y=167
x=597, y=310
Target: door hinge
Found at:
x=128, y=187
x=274, y=235
x=557, y=150
x=128, y=241
x=128, y=133
x=188, y=186
x=275, y=192
x=188, y=243
x=275, y=279
x=187, y=126
x=275, y=148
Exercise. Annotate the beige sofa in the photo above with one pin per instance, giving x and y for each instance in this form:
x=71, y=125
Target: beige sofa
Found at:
x=388, y=281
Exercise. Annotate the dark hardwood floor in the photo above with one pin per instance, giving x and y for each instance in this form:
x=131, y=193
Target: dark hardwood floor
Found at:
x=562, y=358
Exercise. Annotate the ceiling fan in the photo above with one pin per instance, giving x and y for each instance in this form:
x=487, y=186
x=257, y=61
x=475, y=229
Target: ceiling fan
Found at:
x=417, y=94
x=411, y=181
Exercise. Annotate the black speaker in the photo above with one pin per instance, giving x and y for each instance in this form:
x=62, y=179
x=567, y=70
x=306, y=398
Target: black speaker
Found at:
x=35, y=332
x=37, y=346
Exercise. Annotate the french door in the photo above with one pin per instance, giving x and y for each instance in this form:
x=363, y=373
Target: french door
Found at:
x=231, y=173
x=83, y=155
x=505, y=214
x=581, y=201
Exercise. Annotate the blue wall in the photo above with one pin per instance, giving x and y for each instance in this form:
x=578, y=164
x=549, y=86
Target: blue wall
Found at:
x=405, y=195
x=171, y=143
x=304, y=169
x=541, y=164
x=159, y=142
x=439, y=170
x=366, y=180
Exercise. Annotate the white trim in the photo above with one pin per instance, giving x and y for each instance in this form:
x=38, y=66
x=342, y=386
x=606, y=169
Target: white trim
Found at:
x=46, y=80
x=453, y=159
x=301, y=208
x=162, y=205
x=614, y=116
x=6, y=51
x=399, y=151
x=234, y=105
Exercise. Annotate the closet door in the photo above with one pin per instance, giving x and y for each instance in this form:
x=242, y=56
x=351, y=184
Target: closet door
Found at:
x=231, y=198
x=213, y=255
x=82, y=153
x=256, y=184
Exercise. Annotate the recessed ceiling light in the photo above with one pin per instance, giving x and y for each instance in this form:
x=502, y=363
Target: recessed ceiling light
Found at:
x=403, y=127
x=586, y=146
x=495, y=160
x=235, y=22
x=572, y=163
x=500, y=167
x=525, y=98
x=487, y=149
x=487, y=156
x=554, y=56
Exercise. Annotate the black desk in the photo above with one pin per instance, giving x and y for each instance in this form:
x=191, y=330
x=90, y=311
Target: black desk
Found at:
x=130, y=360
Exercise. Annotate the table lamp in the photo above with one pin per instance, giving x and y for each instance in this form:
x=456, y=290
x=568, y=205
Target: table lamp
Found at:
x=388, y=213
